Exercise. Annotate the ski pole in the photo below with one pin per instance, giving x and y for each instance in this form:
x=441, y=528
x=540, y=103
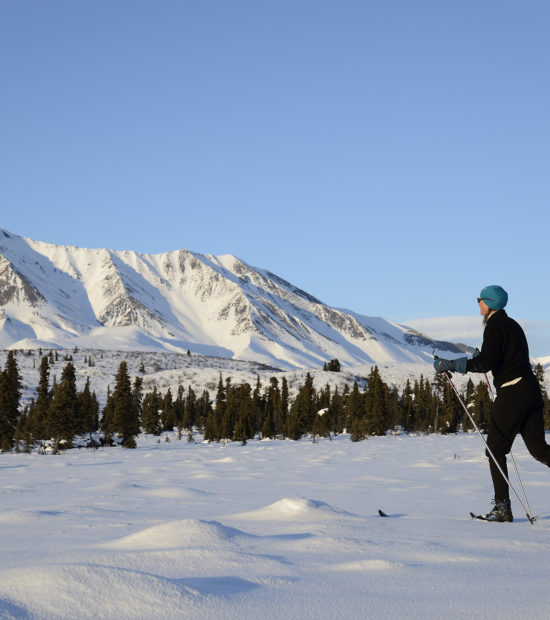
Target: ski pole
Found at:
x=530, y=518
x=511, y=454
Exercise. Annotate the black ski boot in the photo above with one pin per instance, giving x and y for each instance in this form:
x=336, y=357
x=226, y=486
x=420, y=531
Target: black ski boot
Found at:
x=501, y=512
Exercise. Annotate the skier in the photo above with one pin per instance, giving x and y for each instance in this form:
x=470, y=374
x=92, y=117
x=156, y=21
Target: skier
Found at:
x=518, y=406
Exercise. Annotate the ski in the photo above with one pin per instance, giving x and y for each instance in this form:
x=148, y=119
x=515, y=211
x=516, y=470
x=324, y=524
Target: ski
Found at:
x=483, y=518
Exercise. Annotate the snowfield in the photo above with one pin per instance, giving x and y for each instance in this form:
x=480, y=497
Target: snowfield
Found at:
x=273, y=529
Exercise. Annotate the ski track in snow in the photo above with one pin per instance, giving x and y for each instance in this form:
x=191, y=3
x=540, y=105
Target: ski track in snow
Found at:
x=276, y=529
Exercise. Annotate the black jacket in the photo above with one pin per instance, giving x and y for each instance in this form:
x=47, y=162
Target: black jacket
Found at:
x=504, y=350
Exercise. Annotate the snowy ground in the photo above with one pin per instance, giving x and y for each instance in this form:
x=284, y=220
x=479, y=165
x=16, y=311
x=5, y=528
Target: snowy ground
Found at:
x=272, y=529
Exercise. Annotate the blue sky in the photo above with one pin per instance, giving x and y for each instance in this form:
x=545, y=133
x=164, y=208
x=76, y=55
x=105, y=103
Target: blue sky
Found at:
x=388, y=156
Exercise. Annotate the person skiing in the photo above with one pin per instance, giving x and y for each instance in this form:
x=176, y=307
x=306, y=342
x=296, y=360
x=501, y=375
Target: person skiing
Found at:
x=518, y=406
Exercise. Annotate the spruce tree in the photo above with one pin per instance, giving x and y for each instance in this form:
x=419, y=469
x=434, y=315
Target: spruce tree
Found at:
x=108, y=418
x=88, y=410
x=125, y=411
x=355, y=411
x=63, y=412
x=450, y=411
x=284, y=404
x=302, y=410
x=407, y=413
x=337, y=412
x=179, y=409
x=271, y=426
x=168, y=415
x=204, y=409
x=232, y=405
x=482, y=406
x=211, y=433
x=219, y=410
x=539, y=374
x=38, y=420
x=10, y=395
x=137, y=394
x=150, y=416
x=8, y=422
x=190, y=412
x=470, y=402
x=376, y=404
x=424, y=410
x=320, y=426
x=244, y=415
x=257, y=411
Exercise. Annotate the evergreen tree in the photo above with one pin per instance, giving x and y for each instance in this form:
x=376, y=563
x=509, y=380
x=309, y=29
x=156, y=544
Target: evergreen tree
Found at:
x=204, y=409
x=219, y=410
x=393, y=408
x=481, y=411
x=302, y=410
x=284, y=406
x=39, y=418
x=470, y=402
x=211, y=432
x=108, y=418
x=88, y=411
x=23, y=439
x=337, y=412
x=228, y=414
x=539, y=374
x=190, y=411
x=424, y=405
x=273, y=411
x=137, y=395
x=407, y=413
x=150, y=416
x=356, y=422
x=257, y=411
x=10, y=395
x=168, y=414
x=376, y=404
x=450, y=411
x=125, y=412
x=244, y=415
x=8, y=422
x=63, y=413
x=179, y=409
x=355, y=411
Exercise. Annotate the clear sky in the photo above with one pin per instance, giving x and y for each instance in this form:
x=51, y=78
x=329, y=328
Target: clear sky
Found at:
x=388, y=156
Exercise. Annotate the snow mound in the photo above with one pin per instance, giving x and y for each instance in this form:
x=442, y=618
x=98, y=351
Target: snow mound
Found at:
x=365, y=565
x=175, y=493
x=297, y=508
x=178, y=534
x=91, y=591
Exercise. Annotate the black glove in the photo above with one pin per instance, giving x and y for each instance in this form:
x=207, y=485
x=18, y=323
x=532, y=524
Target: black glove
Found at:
x=458, y=365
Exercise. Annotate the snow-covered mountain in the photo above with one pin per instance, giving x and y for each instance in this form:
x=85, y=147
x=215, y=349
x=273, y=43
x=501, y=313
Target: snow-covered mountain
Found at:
x=65, y=296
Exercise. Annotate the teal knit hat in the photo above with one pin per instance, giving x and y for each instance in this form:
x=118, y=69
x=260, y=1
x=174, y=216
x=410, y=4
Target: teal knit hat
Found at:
x=494, y=296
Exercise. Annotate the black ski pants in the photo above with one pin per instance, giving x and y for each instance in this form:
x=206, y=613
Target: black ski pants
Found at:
x=517, y=409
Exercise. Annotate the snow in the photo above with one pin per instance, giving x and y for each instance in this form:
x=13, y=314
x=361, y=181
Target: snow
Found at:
x=274, y=529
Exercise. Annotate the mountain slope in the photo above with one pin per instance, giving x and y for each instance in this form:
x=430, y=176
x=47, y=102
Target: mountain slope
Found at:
x=64, y=296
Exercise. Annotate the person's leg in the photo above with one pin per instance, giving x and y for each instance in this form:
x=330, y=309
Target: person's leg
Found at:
x=532, y=428
x=506, y=417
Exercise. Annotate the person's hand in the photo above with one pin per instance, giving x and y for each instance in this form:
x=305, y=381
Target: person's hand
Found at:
x=458, y=365
x=442, y=365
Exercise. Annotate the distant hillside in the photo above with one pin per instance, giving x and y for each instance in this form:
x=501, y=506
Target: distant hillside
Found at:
x=64, y=296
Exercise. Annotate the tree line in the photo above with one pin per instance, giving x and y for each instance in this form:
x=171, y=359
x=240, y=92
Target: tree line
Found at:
x=236, y=412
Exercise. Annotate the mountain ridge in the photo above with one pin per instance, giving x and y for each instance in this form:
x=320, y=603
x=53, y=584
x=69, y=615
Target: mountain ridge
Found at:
x=65, y=296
